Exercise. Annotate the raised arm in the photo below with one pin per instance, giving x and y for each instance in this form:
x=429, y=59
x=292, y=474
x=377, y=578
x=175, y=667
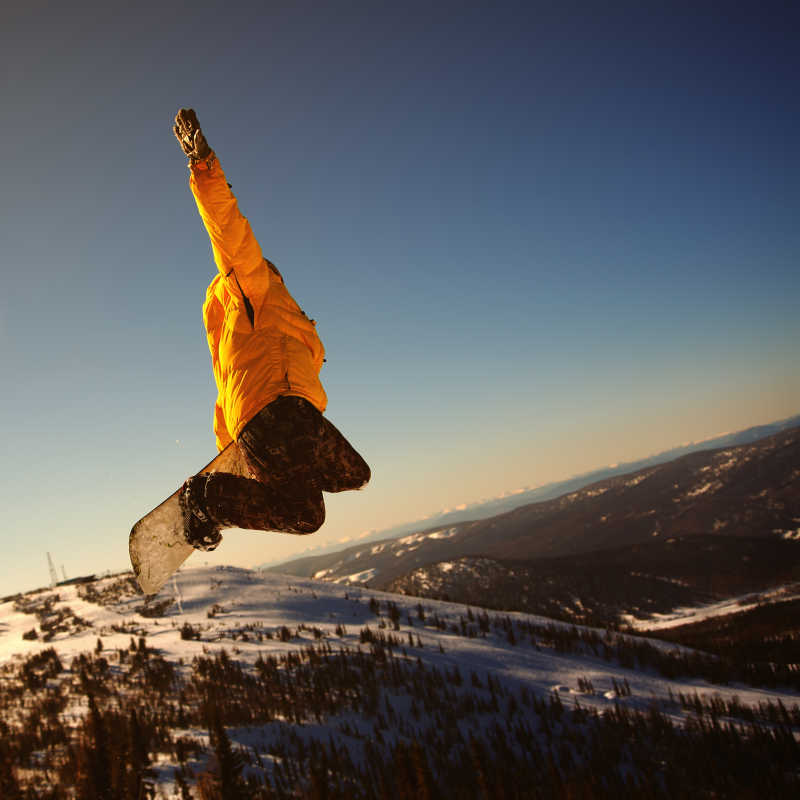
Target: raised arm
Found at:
x=235, y=247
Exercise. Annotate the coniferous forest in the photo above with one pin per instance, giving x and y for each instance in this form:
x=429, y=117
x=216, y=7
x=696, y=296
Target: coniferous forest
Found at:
x=386, y=710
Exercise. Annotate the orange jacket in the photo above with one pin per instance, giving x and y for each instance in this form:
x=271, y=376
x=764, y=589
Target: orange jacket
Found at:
x=262, y=344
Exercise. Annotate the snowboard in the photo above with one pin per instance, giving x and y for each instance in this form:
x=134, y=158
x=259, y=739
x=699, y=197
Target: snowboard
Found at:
x=156, y=544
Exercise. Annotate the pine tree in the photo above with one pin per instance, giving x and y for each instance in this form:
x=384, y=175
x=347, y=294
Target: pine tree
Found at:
x=94, y=773
x=223, y=780
x=9, y=788
x=138, y=757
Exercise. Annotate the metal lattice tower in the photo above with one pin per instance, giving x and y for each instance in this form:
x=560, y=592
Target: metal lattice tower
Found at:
x=53, y=573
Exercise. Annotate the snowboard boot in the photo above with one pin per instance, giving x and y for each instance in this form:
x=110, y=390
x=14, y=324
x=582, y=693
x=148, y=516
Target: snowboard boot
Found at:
x=200, y=531
x=233, y=501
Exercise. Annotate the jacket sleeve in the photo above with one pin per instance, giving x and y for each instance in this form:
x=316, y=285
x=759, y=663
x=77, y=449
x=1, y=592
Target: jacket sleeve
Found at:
x=213, y=315
x=232, y=240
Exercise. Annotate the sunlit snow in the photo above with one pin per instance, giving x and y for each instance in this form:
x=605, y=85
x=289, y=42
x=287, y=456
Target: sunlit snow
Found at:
x=443, y=534
x=223, y=602
x=358, y=577
x=686, y=615
x=710, y=486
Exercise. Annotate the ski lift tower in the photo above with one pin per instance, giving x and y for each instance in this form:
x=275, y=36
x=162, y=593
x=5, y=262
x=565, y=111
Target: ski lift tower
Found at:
x=53, y=573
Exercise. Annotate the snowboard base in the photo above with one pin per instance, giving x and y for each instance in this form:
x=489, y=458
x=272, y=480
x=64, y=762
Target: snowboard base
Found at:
x=156, y=544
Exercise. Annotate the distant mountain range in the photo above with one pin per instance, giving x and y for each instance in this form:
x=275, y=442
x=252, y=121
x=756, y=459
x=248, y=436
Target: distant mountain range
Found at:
x=495, y=506
x=679, y=532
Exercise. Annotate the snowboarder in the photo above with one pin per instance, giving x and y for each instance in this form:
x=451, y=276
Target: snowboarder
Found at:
x=266, y=358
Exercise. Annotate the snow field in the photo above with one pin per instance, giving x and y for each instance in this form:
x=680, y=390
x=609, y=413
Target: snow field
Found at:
x=245, y=613
x=222, y=603
x=685, y=615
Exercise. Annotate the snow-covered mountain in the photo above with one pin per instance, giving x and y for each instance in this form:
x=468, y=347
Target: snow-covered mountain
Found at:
x=242, y=682
x=641, y=522
x=494, y=506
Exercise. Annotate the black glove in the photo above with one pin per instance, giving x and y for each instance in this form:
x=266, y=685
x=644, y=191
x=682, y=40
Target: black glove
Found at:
x=190, y=137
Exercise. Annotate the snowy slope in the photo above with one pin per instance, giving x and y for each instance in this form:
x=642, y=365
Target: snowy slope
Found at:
x=686, y=615
x=515, y=498
x=242, y=599
x=749, y=491
x=245, y=612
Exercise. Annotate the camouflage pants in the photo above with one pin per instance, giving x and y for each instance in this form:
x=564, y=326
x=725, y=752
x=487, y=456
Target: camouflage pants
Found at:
x=293, y=454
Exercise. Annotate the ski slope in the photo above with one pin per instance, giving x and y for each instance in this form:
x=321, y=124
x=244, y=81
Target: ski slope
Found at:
x=221, y=602
x=244, y=612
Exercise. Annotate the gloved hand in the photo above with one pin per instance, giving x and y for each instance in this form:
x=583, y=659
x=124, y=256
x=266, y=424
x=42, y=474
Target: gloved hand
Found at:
x=190, y=137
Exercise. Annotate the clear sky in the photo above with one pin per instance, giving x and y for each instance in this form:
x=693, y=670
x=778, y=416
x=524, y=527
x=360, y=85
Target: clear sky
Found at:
x=537, y=238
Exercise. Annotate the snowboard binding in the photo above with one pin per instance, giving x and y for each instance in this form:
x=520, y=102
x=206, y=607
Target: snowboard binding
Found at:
x=200, y=531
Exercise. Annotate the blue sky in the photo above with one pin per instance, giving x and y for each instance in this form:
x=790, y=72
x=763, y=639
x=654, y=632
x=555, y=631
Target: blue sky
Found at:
x=537, y=239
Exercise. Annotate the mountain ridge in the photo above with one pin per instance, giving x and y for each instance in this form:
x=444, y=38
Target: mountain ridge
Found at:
x=499, y=505
x=748, y=491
